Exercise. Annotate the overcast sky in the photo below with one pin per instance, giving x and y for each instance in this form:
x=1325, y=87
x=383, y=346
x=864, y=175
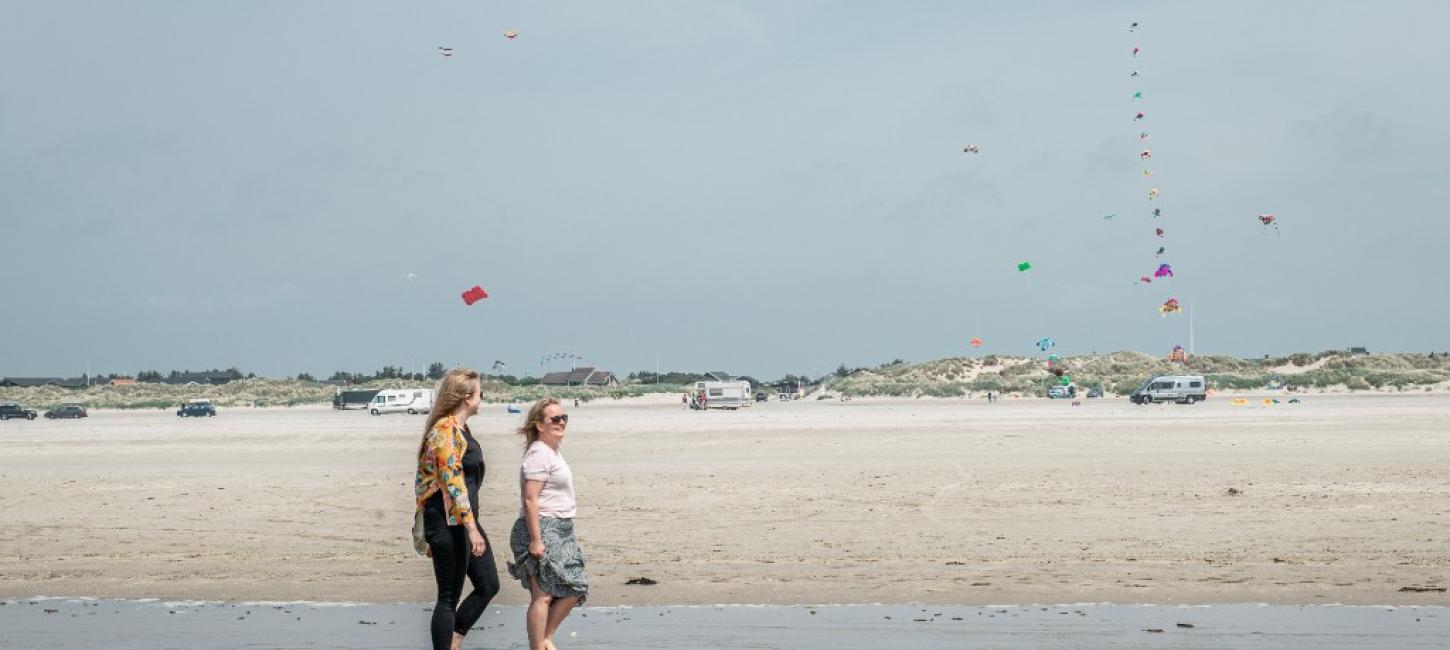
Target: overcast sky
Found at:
x=758, y=187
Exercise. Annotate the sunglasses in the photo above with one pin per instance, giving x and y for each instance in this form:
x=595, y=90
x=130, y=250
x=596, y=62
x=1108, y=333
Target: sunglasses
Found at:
x=559, y=419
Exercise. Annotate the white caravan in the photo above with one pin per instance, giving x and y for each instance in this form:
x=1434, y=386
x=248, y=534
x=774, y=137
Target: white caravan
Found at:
x=722, y=394
x=1183, y=389
x=402, y=400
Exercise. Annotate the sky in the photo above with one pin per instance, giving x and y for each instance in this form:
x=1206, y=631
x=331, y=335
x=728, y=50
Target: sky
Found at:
x=756, y=187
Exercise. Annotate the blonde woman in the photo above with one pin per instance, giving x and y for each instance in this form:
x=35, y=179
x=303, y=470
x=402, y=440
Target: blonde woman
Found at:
x=450, y=473
x=547, y=559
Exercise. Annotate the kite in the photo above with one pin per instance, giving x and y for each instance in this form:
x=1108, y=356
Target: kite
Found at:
x=445, y=51
x=1145, y=279
x=1052, y=358
x=1159, y=231
x=1147, y=172
x=1160, y=251
x=412, y=276
x=1067, y=381
x=1136, y=50
x=1143, y=136
x=1269, y=220
x=1109, y=216
x=1024, y=267
x=1152, y=194
x=1164, y=271
x=499, y=366
x=1058, y=372
x=1045, y=343
x=1171, y=306
x=1133, y=27
x=1177, y=355
x=1135, y=73
x=976, y=342
x=511, y=34
x=474, y=295
x=1138, y=95
x=1157, y=212
x=1139, y=116
x=971, y=148
x=1145, y=154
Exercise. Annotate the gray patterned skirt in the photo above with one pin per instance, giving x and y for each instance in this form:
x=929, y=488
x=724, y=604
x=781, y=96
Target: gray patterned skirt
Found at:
x=561, y=571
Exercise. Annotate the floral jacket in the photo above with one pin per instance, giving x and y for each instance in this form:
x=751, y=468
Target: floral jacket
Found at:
x=440, y=466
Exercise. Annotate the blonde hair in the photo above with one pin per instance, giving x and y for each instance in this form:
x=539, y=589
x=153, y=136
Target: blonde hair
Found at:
x=529, y=429
x=454, y=389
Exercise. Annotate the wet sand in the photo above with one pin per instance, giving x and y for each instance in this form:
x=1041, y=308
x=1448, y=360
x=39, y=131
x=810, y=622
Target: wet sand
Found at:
x=36, y=624
x=1339, y=499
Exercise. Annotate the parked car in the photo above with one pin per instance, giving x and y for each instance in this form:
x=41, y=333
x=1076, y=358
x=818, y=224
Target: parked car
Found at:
x=196, y=408
x=1061, y=392
x=67, y=411
x=13, y=410
x=1095, y=391
x=760, y=397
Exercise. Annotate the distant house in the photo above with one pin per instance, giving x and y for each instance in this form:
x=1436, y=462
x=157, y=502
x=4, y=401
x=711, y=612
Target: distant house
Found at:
x=62, y=382
x=581, y=377
x=30, y=382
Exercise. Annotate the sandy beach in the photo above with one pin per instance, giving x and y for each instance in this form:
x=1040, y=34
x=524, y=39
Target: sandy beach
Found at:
x=1338, y=499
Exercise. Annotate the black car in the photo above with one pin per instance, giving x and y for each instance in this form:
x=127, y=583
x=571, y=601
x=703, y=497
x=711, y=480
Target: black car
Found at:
x=12, y=410
x=197, y=409
x=67, y=411
x=760, y=397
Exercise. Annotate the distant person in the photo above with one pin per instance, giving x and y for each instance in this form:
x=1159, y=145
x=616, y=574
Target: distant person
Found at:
x=450, y=474
x=685, y=401
x=547, y=559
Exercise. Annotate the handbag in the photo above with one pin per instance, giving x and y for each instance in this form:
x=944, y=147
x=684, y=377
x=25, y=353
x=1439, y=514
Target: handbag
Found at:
x=420, y=538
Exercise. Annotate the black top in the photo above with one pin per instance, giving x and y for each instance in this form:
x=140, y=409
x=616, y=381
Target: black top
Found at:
x=472, y=478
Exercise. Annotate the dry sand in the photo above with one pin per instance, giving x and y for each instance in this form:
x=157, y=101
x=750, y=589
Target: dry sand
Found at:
x=1343, y=499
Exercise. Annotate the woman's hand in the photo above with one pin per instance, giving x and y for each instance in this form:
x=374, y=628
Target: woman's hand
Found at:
x=475, y=540
x=536, y=549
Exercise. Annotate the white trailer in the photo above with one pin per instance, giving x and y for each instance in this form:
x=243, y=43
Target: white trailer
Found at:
x=722, y=394
x=402, y=400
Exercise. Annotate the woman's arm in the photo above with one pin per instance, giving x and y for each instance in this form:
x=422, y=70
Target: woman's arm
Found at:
x=531, y=490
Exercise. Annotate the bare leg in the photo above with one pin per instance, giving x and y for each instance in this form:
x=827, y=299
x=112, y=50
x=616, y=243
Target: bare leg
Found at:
x=457, y=641
x=558, y=611
x=537, y=616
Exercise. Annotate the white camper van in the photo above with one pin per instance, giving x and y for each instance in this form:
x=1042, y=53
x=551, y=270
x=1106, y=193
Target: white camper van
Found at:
x=722, y=395
x=1183, y=389
x=402, y=400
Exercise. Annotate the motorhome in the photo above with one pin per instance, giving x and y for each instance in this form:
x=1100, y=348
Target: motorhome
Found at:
x=402, y=400
x=1183, y=389
x=721, y=395
x=353, y=399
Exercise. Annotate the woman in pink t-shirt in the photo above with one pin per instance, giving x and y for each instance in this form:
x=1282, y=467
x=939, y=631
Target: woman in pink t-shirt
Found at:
x=547, y=559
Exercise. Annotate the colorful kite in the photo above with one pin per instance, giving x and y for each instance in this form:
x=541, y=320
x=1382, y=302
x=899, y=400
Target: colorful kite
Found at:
x=1152, y=194
x=1138, y=95
x=1158, y=231
x=971, y=148
x=511, y=34
x=474, y=295
x=1045, y=343
x=1024, y=266
x=1135, y=73
x=1145, y=154
x=1164, y=271
x=1171, y=306
x=1160, y=251
x=1145, y=279
x=445, y=51
x=1136, y=50
x=975, y=342
x=1269, y=220
x=1139, y=116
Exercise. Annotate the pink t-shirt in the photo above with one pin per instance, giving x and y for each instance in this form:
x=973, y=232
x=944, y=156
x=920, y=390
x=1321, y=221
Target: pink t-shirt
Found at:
x=543, y=463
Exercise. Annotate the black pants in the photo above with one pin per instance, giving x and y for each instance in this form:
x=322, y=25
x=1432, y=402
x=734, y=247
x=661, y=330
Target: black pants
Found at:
x=452, y=561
